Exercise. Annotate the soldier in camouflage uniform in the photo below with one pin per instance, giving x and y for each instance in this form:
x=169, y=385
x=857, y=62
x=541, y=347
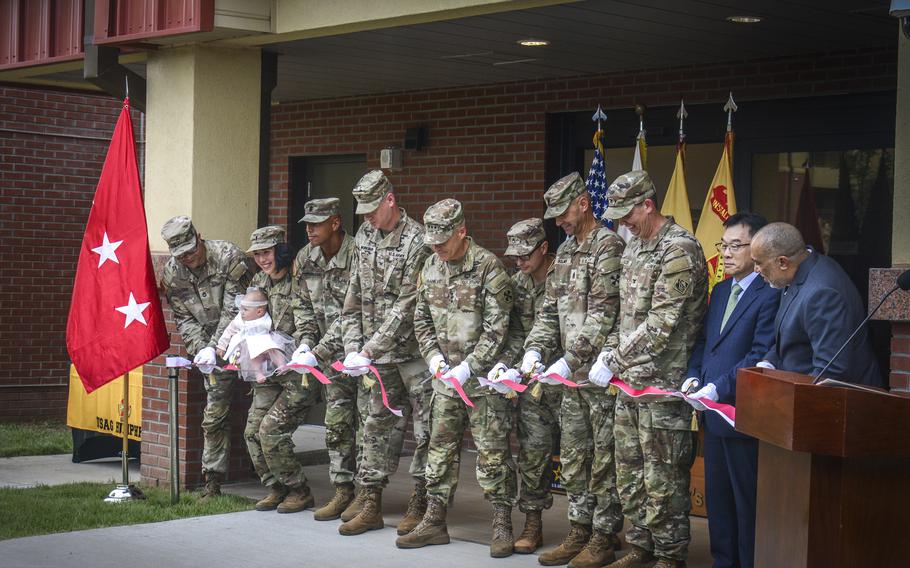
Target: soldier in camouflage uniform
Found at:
x=538, y=407
x=378, y=328
x=323, y=269
x=201, y=280
x=280, y=403
x=664, y=288
x=579, y=311
x=462, y=316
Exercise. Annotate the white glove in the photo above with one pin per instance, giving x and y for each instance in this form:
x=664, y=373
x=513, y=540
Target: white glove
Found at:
x=765, y=365
x=461, y=373
x=708, y=391
x=205, y=360
x=306, y=358
x=438, y=364
x=357, y=360
x=509, y=374
x=304, y=348
x=530, y=363
x=497, y=370
x=560, y=368
x=690, y=384
x=600, y=374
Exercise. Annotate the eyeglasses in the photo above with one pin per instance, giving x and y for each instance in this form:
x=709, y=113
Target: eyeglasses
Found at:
x=527, y=257
x=732, y=247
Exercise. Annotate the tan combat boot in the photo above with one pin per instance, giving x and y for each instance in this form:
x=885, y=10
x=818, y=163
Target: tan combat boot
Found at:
x=431, y=529
x=344, y=494
x=668, y=563
x=417, y=506
x=298, y=499
x=598, y=552
x=575, y=541
x=212, y=486
x=355, y=506
x=277, y=493
x=502, y=543
x=531, y=537
x=370, y=517
x=636, y=558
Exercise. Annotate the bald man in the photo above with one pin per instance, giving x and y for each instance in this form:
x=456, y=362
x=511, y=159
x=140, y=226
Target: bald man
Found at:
x=819, y=309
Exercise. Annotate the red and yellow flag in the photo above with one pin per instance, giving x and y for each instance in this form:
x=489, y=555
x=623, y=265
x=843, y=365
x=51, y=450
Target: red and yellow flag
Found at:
x=676, y=203
x=720, y=203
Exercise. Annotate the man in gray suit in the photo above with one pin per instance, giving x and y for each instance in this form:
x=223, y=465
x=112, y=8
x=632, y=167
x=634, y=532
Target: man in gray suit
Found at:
x=819, y=309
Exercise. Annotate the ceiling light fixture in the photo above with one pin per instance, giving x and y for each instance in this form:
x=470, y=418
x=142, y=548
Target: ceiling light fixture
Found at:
x=531, y=42
x=744, y=19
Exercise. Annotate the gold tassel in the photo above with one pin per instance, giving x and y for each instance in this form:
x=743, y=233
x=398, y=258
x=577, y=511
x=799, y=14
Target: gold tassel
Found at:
x=305, y=380
x=212, y=379
x=537, y=390
x=511, y=395
x=694, y=425
x=612, y=390
x=368, y=382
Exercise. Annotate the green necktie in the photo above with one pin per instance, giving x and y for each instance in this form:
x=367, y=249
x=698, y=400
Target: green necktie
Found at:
x=731, y=303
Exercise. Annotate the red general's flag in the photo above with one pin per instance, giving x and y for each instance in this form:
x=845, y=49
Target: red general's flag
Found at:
x=115, y=321
x=720, y=203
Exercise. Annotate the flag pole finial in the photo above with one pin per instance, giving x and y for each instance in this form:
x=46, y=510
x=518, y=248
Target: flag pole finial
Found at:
x=682, y=114
x=640, y=111
x=730, y=107
x=599, y=115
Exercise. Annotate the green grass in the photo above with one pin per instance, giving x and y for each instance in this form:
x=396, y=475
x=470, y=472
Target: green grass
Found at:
x=38, y=439
x=79, y=506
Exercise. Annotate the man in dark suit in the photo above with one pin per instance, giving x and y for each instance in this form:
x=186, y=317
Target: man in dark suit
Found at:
x=738, y=332
x=819, y=309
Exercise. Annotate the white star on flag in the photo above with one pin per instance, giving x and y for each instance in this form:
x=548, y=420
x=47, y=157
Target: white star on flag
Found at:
x=107, y=251
x=133, y=311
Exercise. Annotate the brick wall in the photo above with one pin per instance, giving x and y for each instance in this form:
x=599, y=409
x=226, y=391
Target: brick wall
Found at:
x=52, y=147
x=487, y=143
x=900, y=356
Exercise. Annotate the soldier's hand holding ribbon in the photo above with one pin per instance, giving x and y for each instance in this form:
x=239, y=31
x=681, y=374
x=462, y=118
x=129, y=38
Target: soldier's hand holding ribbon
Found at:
x=530, y=363
x=355, y=364
x=460, y=372
x=600, y=374
x=560, y=368
x=205, y=360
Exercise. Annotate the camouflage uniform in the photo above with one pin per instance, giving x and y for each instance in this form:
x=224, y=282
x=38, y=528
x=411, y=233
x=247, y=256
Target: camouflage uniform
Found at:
x=378, y=318
x=280, y=404
x=463, y=314
x=664, y=297
x=321, y=288
x=579, y=311
x=538, y=412
x=202, y=301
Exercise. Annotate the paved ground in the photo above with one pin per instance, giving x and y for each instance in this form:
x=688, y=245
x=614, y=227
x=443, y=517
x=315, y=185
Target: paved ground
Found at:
x=251, y=539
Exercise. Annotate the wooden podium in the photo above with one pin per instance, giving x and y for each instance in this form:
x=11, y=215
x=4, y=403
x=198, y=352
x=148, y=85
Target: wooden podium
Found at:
x=833, y=472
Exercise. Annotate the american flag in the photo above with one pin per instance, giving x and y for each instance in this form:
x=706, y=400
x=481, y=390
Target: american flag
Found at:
x=597, y=180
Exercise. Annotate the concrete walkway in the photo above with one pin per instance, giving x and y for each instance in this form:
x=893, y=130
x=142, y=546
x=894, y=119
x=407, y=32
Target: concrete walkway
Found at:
x=252, y=538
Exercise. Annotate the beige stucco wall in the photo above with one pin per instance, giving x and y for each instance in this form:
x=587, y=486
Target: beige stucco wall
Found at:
x=202, y=141
x=900, y=240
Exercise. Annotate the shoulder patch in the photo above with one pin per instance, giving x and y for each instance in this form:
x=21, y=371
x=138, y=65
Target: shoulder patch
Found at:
x=238, y=271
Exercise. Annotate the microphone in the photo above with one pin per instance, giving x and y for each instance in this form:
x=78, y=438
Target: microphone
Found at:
x=902, y=282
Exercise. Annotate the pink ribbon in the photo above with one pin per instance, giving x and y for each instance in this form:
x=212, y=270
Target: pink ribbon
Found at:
x=339, y=366
x=725, y=411
x=312, y=370
x=556, y=377
x=517, y=387
x=458, y=388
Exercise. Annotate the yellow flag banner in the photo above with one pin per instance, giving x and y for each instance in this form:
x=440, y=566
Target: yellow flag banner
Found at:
x=720, y=203
x=676, y=203
x=101, y=410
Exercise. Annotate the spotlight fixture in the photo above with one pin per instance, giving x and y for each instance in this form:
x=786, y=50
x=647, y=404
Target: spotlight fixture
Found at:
x=531, y=42
x=744, y=19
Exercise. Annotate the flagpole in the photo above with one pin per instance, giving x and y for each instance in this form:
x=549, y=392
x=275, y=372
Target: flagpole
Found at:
x=125, y=454
x=681, y=114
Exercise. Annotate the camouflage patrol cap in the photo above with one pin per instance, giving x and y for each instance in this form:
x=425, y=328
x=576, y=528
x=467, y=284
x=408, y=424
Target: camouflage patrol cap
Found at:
x=180, y=235
x=440, y=221
x=319, y=210
x=627, y=191
x=266, y=237
x=524, y=236
x=560, y=195
x=370, y=190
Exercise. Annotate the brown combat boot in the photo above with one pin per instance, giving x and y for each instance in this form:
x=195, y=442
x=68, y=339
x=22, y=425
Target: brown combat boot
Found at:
x=370, y=517
x=668, y=563
x=636, y=558
x=344, y=494
x=417, y=506
x=298, y=499
x=575, y=541
x=212, y=487
x=431, y=529
x=598, y=552
x=531, y=537
x=355, y=506
x=502, y=543
x=277, y=493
